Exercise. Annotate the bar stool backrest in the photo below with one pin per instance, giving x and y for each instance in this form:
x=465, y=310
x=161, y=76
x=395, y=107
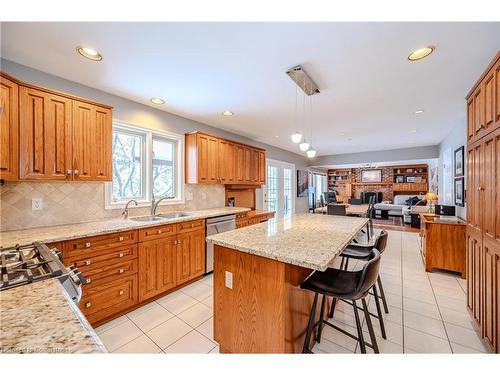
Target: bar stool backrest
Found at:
x=369, y=274
x=336, y=209
x=381, y=243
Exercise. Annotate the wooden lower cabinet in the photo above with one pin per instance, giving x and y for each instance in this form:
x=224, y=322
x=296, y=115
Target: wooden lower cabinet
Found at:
x=190, y=255
x=101, y=301
x=157, y=273
x=491, y=286
x=474, y=299
x=125, y=269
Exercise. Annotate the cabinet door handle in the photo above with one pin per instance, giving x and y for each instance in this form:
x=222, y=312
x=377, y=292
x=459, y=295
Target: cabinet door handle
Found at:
x=178, y=242
x=120, y=292
x=68, y=172
x=120, y=254
x=87, y=244
x=75, y=172
x=174, y=242
x=88, y=280
x=88, y=262
x=121, y=270
x=88, y=304
x=120, y=238
x=192, y=225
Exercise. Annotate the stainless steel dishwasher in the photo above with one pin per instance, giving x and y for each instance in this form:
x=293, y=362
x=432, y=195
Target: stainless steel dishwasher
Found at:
x=216, y=225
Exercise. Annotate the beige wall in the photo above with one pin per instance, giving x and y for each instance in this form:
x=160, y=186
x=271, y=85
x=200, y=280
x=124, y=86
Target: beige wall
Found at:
x=74, y=202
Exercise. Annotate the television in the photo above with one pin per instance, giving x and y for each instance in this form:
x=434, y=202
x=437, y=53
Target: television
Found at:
x=371, y=175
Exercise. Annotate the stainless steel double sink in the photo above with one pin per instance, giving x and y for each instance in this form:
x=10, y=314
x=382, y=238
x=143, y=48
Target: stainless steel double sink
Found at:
x=167, y=216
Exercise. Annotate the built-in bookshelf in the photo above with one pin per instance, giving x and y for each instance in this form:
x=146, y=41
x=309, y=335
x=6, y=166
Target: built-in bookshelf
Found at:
x=339, y=180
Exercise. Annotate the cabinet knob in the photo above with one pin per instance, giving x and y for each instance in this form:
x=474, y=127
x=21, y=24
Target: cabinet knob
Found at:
x=174, y=242
x=120, y=254
x=88, y=262
x=120, y=292
x=88, y=304
x=88, y=280
x=120, y=238
x=192, y=225
x=68, y=172
x=75, y=172
x=87, y=244
x=120, y=270
x=159, y=231
x=178, y=242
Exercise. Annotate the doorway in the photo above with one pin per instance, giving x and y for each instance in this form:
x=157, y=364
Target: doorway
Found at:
x=279, y=191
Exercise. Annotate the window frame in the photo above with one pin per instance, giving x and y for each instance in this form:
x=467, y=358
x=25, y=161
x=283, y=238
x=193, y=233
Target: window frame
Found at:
x=147, y=166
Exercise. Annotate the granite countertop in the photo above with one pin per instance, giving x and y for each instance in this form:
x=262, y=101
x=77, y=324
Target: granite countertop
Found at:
x=80, y=230
x=306, y=240
x=42, y=318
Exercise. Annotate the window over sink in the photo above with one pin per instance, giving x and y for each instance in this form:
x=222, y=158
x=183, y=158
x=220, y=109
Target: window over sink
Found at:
x=146, y=163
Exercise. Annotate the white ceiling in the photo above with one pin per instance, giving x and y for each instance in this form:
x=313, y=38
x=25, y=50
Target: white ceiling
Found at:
x=369, y=90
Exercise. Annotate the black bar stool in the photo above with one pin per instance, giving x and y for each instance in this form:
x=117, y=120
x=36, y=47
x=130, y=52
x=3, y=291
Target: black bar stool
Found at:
x=363, y=253
x=349, y=286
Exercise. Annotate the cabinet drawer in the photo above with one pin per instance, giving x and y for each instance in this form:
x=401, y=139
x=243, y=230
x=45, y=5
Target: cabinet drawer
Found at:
x=157, y=232
x=241, y=215
x=103, y=257
x=102, y=273
x=241, y=223
x=190, y=225
x=110, y=298
x=84, y=246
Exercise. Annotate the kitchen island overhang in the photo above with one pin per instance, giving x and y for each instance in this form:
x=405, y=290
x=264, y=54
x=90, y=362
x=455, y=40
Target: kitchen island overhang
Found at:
x=258, y=304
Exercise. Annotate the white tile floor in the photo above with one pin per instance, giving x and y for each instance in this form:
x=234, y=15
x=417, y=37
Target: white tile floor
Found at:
x=427, y=314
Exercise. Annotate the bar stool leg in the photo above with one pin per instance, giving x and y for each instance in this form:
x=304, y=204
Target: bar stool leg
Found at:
x=382, y=294
x=370, y=326
x=321, y=318
x=342, y=263
x=379, y=312
x=361, y=340
x=332, y=308
x=310, y=326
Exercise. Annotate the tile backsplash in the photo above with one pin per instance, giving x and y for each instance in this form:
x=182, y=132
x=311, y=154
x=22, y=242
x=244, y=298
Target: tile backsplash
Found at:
x=74, y=202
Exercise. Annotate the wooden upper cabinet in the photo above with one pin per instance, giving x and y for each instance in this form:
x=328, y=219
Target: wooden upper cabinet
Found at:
x=9, y=129
x=92, y=132
x=49, y=135
x=226, y=158
x=483, y=104
x=45, y=135
x=239, y=166
x=213, y=160
x=262, y=168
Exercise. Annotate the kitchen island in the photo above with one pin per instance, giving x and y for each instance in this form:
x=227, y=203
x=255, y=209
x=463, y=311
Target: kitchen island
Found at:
x=258, y=304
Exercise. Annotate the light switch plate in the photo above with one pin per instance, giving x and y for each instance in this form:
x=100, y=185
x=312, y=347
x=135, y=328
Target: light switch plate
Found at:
x=36, y=204
x=229, y=280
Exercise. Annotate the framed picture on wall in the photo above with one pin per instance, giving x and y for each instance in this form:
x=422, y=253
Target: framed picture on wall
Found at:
x=302, y=183
x=459, y=162
x=459, y=192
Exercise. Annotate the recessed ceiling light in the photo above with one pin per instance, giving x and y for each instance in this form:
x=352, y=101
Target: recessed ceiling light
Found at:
x=157, y=101
x=419, y=111
x=413, y=131
x=89, y=53
x=227, y=113
x=420, y=53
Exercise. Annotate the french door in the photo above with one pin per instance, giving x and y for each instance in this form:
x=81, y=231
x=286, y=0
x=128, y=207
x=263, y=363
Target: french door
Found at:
x=279, y=191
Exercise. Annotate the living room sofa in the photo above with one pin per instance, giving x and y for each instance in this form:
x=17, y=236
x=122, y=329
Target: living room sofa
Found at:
x=400, y=208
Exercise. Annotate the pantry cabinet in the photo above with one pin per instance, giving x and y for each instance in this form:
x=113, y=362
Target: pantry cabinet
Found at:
x=9, y=129
x=483, y=204
x=214, y=160
x=53, y=136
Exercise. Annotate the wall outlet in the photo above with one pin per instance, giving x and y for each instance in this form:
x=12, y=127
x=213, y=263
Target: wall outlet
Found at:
x=36, y=204
x=229, y=280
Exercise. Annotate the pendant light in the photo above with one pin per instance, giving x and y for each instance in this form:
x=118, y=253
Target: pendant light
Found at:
x=311, y=152
x=297, y=136
x=304, y=146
